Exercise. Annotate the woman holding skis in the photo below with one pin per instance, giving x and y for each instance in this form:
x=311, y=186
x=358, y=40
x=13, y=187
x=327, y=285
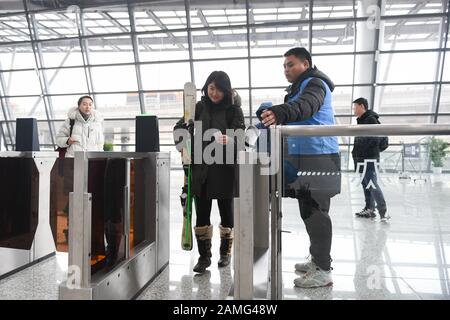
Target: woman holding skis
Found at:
x=219, y=109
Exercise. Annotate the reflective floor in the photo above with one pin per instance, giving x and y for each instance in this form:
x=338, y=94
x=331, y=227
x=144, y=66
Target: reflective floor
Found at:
x=408, y=258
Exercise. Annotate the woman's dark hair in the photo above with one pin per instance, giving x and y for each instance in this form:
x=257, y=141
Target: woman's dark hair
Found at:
x=81, y=99
x=222, y=82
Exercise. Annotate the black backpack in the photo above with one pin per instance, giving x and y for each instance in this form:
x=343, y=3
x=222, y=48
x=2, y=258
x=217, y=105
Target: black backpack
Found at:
x=62, y=151
x=383, y=143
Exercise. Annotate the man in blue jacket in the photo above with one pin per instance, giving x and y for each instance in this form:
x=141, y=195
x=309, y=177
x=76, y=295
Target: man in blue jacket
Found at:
x=312, y=164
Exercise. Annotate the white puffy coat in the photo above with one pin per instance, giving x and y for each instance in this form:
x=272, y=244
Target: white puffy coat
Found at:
x=87, y=133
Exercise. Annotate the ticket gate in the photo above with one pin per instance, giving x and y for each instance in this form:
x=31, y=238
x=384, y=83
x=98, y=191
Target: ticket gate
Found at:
x=25, y=233
x=118, y=224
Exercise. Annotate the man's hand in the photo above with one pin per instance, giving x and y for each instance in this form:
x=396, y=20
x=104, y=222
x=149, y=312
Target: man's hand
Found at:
x=268, y=118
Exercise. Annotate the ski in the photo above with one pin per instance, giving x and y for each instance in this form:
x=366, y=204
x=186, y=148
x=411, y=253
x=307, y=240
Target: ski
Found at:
x=189, y=101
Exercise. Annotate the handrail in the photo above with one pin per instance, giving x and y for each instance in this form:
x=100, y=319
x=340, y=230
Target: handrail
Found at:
x=366, y=130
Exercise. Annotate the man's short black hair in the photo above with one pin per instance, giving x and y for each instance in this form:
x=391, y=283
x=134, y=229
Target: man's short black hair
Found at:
x=300, y=53
x=362, y=101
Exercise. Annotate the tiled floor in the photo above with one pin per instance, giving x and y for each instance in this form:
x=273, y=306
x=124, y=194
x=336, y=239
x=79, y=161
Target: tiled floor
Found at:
x=408, y=258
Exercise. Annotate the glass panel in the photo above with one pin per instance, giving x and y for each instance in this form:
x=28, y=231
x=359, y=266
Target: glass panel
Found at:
x=237, y=70
x=163, y=46
x=5, y=136
x=277, y=40
x=225, y=13
x=166, y=131
x=421, y=33
x=161, y=15
x=106, y=21
x=46, y=5
x=338, y=68
x=19, y=180
x=446, y=76
x=121, y=133
x=404, y=120
x=278, y=11
x=403, y=67
x=164, y=104
x=108, y=50
x=393, y=7
x=54, y=25
x=404, y=99
x=443, y=120
x=58, y=79
x=61, y=184
x=222, y=43
x=17, y=57
x=26, y=107
x=444, y=105
x=45, y=138
x=245, y=103
x=342, y=102
x=161, y=76
x=332, y=9
x=61, y=53
x=62, y=104
x=118, y=105
x=333, y=37
x=276, y=96
x=21, y=83
x=108, y=206
x=260, y=68
x=107, y=79
x=344, y=119
x=138, y=226
x=14, y=28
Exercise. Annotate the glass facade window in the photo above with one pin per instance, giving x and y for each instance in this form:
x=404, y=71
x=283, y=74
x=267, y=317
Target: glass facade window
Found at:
x=232, y=67
x=110, y=50
x=124, y=78
x=61, y=53
x=135, y=57
x=165, y=76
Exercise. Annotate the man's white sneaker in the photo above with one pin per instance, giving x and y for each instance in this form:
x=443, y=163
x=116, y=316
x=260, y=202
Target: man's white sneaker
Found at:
x=305, y=266
x=314, y=279
x=385, y=219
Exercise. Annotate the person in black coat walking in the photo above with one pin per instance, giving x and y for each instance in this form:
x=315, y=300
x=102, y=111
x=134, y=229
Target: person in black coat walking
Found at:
x=368, y=148
x=219, y=110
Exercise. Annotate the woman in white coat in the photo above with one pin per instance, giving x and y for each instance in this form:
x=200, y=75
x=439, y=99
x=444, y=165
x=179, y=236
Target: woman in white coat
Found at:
x=87, y=131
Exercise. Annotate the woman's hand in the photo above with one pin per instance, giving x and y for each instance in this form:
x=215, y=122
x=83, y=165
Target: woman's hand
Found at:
x=221, y=138
x=71, y=141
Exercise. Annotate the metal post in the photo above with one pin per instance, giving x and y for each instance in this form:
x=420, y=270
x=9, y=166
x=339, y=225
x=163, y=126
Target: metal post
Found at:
x=80, y=221
x=127, y=208
x=243, y=229
x=276, y=221
x=403, y=158
x=137, y=66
